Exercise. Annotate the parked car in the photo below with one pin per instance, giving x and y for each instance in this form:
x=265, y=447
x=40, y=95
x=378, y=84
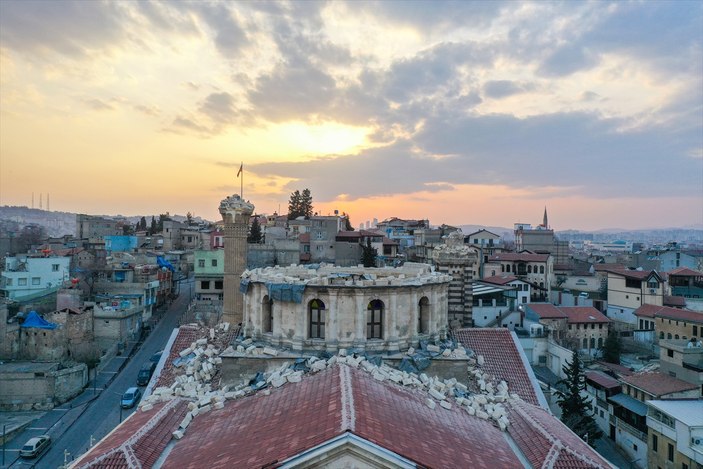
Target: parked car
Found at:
x=130, y=397
x=157, y=356
x=35, y=446
x=145, y=373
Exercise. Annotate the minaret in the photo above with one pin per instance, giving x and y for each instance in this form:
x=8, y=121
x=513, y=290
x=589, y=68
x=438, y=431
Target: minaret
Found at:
x=235, y=213
x=544, y=222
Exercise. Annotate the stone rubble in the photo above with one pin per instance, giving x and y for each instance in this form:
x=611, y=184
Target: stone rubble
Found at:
x=480, y=397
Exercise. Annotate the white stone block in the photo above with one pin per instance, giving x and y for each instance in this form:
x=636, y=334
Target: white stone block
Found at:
x=270, y=351
x=218, y=405
x=201, y=341
x=205, y=409
x=342, y=352
x=445, y=404
x=430, y=403
x=433, y=348
x=178, y=434
x=481, y=414
x=480, y=360
x=436, y=394
x=247, y=342
x=186, y=421
x=471, y=411
x=212, y=333
x=294, y=378
x=185, y=352
x=147, y=407
x=411, y=351
x=250, y=349
x=446, y=352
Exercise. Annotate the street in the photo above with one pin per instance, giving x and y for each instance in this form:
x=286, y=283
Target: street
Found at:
x=87, y=418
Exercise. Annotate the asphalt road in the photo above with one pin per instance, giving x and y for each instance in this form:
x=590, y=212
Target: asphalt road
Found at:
x=94, y=413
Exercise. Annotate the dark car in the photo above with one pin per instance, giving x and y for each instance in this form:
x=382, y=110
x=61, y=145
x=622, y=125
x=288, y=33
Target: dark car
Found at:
x=35, y=446
x=130, y=398
x=157, y=356
x=145, y=373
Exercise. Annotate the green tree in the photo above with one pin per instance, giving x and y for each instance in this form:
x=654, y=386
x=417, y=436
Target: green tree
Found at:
x=612, y=348
x=142, y=224
x=368, y=254
x=189, y=219
x=254, y=231
x=153, y=226
x=294, y=205
x=576, y=410
x=160, y=223
x=306, y=203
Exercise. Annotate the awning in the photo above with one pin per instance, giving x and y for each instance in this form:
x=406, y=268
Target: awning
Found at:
x=630, y=403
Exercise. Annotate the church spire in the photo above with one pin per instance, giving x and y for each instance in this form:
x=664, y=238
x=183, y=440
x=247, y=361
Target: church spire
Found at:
x=544, y=222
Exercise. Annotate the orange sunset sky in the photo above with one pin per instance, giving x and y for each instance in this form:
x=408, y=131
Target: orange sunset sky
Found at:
x=460, y=112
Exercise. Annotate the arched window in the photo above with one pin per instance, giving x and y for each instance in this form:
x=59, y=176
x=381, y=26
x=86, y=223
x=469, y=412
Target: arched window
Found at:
x=267, y=314
x=541, y=269
x=661, y=335
x=585, y=343
x=374, y=320
x=423, y=317
x=316, y=310
x=529, y=269
x=502, y=268
x=676, y=337
x=668, y=336
x=593, y=342
x=600, y=342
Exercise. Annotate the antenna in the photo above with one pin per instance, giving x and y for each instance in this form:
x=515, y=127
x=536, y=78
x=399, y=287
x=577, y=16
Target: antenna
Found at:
x=47, y=202
x=32, y=199
x=40, y=200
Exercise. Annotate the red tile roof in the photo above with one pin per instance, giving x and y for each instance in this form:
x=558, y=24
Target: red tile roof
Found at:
x=519, y=256
x=300, y=416
x=144, y=436
x=680, y=314
x=658, y=384
x=635, y=274
x=546, y=442
x=619, y=370
x=674, y=301
x=602, y=379
x=686, y=272
x=503, y=359
x=583, y=314
x=500, y=279
x=647, y=310
x=547, y=311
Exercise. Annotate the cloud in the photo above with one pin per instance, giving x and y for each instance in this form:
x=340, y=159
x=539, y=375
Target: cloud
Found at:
x=184, y=124
x=148, y=110
x=219, y=107
x=498, y=89
x=98, y=104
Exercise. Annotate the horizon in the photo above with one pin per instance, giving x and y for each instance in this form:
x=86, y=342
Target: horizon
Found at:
x=441, y=110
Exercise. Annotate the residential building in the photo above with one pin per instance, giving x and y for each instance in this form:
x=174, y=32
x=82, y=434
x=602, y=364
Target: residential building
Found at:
x=675, y=323
x=630, y=410
x=587, y=328
x=675, y=434
x=172, y=234
x=117, y=318
x=687, y=283
x=599, y=387
x=209, y=275
x=522, y=288
x=682, y=359
x=630, y=289
x=537, y=269
x=541, y=240
x=401, y=231
x=496, y=302
x=549, y=316
x=27, y=276
x=89, y=226
x=323, y=232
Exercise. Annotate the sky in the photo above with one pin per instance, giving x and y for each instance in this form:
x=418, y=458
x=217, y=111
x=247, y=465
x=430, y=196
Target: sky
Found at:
x=459, y=112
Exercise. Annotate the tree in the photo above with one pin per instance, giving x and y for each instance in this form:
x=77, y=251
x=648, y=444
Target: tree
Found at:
x=300, y=204
x=306, y=203
x=368, y=254
x=254, y=231
x=612, y=348
x=142, y=224
x=576, y=410
x=160, y=223
x=189, y=219
x=153, y=226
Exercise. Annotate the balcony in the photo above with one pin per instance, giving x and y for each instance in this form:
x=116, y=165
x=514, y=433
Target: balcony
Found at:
x=626, y=427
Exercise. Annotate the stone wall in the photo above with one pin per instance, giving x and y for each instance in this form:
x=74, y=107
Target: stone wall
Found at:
x=39, y=386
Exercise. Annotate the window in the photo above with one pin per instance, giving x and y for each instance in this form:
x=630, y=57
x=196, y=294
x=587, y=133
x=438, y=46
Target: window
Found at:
x=316, y=309
x=214, y=262
x=374, y=320
x=585, y=343
x=670, y=455
x=668, y=336
x=541, y=269
x=201, y=262
x=36, y=280
x=593, y=342
x=670, y=353
x=655, y=443
x=695, y=331
x=423, y=316
x=54, y=267
x=529, y=269
x=600, y=342
x=218, y=285
x=267, y=315
x=634, y=446
x=9, y=282
x=22, y=282
x=684, y=465
x=652, y=284
x=205, y=284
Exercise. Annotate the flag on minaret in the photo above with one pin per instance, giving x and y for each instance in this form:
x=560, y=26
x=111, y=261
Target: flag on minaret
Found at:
x=241, y=167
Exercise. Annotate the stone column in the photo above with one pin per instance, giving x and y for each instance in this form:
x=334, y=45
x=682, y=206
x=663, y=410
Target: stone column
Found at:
x=332, y=326
x=235, y=213
x=392, y=336
x=360, y=322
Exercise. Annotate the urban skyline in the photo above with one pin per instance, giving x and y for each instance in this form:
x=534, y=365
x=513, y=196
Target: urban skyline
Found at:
x=476, y=112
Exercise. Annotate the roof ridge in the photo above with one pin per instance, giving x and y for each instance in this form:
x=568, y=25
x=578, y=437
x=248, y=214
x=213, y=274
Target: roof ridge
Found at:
x=346, y=396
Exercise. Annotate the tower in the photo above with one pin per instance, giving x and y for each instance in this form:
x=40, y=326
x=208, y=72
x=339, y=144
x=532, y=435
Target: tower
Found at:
x=235, y=213
x=545, y=221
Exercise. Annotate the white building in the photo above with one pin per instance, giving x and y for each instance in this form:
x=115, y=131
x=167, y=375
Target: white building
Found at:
x=676, y=433
x=24, y=276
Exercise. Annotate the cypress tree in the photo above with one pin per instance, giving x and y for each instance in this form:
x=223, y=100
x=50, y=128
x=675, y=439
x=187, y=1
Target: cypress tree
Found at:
x=368, y=254
x=612, y=348
x=576, y=410
x=254, y=231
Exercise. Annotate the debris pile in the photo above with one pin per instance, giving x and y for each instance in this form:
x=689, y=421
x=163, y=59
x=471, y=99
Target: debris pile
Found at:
x=197, y=367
